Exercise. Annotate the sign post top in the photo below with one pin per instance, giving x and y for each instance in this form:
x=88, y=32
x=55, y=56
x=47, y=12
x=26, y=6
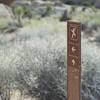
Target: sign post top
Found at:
x=73, y=22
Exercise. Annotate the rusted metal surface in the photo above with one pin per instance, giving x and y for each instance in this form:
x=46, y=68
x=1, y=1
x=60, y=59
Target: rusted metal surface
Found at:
x=6, y=2
x=74, y=61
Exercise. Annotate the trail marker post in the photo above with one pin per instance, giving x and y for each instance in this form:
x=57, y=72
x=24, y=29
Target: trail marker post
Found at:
x=73, y=61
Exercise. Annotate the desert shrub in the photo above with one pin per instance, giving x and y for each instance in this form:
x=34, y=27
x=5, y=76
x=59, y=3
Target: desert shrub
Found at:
x=38, y=56
x=27, y=12
x=48, y=8
x=6, y=83
x=3, y=23
x=90, y=85
x=19, y=11
x=65, y=16
x=48, y=11
x=51, y=84
x=90, y=71
x=42, y=68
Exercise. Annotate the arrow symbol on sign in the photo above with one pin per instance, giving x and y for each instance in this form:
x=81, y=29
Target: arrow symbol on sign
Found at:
x=73, y=62
x=73, y=49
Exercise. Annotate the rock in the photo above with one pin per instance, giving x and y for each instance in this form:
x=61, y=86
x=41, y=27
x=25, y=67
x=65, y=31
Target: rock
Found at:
x=5, y=12
x=21, y=2
x=42, y=3
x=59, y=10
x=6, y=16
x=58, y=3
x=97, y=4
x=43, y=11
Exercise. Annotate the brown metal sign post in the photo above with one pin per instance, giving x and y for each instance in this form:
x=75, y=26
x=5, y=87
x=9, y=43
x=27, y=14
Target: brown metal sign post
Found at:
x=73, y=60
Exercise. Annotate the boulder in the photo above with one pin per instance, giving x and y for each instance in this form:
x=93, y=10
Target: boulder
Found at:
x=5, y=12
x=6, y=16
x=97, y=4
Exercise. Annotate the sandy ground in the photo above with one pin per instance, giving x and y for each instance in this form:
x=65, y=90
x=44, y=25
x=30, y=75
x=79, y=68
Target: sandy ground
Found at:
x=16, y=95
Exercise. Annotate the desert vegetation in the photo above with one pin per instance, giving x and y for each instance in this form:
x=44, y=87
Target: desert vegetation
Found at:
x=33, y=50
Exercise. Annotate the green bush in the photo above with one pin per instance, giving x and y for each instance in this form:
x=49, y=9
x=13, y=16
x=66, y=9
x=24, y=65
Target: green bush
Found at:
x=19, y=10
x=48, y=11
